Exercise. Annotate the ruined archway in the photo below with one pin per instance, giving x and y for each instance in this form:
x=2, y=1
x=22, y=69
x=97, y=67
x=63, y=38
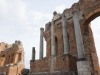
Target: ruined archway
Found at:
x=89, y=44
x=96, y=34
x=81, y=58
x=88, y=39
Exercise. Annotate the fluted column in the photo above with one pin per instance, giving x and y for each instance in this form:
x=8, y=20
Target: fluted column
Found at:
x=79, y=41
x=53, y=48
x=65, y=35
x=33, y=53
x=41, y=42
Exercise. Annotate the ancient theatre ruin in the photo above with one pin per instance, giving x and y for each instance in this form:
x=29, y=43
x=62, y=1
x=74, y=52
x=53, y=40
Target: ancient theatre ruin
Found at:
x=70, y=48
x=11, y=58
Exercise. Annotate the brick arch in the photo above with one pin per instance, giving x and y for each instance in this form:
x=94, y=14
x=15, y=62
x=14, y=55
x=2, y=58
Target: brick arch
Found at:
x=92, y=15
x=92, y=12
x=87, y=10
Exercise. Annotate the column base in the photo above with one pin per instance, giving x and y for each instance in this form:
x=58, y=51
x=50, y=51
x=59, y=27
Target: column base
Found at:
x=83, y=68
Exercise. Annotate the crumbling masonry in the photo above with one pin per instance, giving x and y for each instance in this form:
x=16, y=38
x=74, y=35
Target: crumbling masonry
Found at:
x=11, y=58
x=70, y=48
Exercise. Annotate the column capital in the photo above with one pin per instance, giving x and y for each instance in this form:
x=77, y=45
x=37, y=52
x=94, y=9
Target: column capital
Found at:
x=63, y=16
x=41, y=29
x=33, y=48
x=74, y=12
x=54, y=13
x=78, y=13
x=52, y=21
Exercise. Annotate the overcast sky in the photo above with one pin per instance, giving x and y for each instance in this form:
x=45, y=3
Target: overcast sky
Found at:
x=22, y=19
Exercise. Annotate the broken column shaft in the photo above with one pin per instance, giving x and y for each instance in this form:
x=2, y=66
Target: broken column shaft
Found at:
x=41, y=43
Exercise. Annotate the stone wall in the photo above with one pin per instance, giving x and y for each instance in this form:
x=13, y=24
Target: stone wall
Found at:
x=54, y=64
x=55, y=73
x=11, y=58
x=86, y=11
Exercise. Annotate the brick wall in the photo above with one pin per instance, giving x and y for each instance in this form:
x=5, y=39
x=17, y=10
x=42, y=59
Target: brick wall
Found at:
x=90, y=9
x=59, y=63
x=11, y=62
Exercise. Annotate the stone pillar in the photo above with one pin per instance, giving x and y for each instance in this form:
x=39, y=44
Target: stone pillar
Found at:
x=33, y=53
x=82, y=65
x=41, y=42
x=78, y=35
x=65, y=35
x=53, y=47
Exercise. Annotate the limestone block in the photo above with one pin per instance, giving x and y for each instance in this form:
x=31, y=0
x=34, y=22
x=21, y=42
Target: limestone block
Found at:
x=83, y=68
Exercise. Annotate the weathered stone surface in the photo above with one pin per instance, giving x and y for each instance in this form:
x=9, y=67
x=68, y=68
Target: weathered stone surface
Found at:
x=33, y=53
x=83, y=68
x=65, y=35
x=55, y=73
x=41, y=43
x=89, y=10
x=11, y=58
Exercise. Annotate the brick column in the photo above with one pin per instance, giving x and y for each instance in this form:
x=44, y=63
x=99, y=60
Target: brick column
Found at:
x=65, y=35
x=33, y=53
x=41, y=43
x=53, y=48
x=82, y=64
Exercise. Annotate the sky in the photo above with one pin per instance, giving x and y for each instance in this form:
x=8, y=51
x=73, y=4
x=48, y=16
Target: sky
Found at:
x=22, y=19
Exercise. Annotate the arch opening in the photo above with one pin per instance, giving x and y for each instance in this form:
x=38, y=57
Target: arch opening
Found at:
x=96, y=34
x=93, y=15
x=91, y=40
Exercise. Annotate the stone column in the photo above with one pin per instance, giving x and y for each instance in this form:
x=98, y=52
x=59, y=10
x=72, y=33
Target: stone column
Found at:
x=53, y=48
x=41, y=42
x=33, y=53
x=65, y=35
x=78, y=35
x=82, y=65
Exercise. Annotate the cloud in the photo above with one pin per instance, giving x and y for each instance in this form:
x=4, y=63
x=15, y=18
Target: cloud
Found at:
x=19, y=22
x=40, y=17
x=3, y=6
x=60, y=8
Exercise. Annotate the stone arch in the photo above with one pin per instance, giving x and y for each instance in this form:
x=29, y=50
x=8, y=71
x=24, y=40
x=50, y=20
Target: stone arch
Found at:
x=88, y=40
x=92, y=15
x=80, y=14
